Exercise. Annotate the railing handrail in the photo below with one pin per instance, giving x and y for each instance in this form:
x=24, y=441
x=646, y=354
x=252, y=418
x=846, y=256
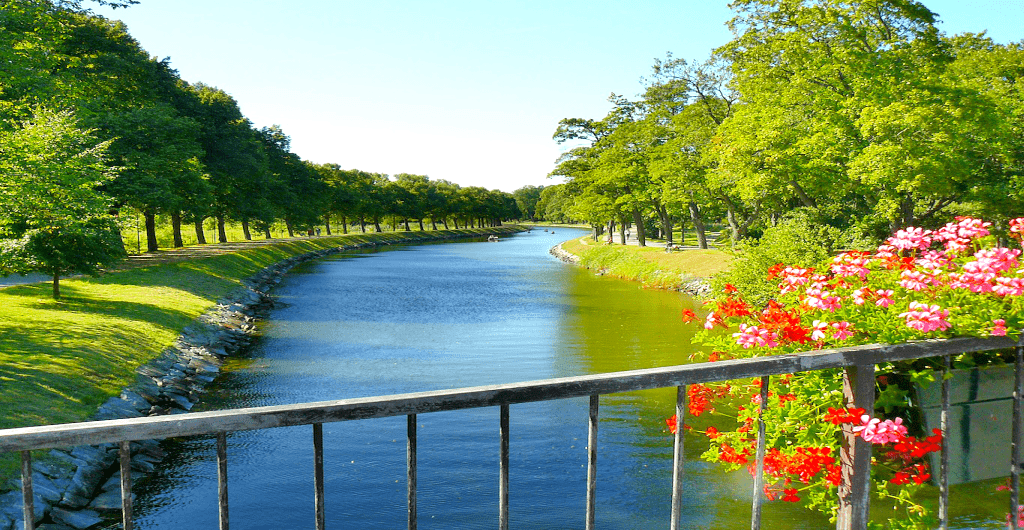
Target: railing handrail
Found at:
x=199, y=423
x=858, y=363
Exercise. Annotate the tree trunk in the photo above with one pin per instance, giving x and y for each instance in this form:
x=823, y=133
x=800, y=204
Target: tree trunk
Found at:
x=697, y=218
x=376, y=225
x=641, y=236
x=456, y=221
x=666, y=223
x=327, y=223
x=222, y=235
x=245, y=230
x=266, y=232
x=151, y=245
x=200, y=235
x=407, y=229
x=433, y=223
x=288, y=225
x=362, y=224
x=344, y=224
x=176, y=229
x=56, y=286
x=445, y=221
x=421, y=225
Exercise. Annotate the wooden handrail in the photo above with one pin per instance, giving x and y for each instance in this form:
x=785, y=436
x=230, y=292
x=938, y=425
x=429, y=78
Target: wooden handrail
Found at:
x=853, y=359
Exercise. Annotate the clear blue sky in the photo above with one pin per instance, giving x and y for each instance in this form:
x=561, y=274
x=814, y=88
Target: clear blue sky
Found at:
x=468, y=91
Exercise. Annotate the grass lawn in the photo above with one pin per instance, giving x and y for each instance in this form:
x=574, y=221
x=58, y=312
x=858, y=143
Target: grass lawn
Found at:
x=650, y=265
x=61, y=359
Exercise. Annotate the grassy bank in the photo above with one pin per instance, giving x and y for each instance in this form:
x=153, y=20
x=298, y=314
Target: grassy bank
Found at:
x=59, y=360
x=651, y=266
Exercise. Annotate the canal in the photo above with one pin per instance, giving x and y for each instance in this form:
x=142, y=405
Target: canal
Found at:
x=446, y=315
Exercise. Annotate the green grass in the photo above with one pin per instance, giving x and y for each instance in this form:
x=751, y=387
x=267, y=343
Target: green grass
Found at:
x=651, y=266
x=60, y=360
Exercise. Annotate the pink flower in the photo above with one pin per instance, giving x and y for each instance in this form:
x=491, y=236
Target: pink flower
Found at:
x=999, y=328
x=859, y=295
x=993, y=260
x=1009, y=286
x=915, y=280
x=750, y=336
x=823, y=300
x=819, y=330
x=933, y=259
x=842, y=330
x=876, y=431
x=912, y=238
x=925, y=318
x=1017, y=225
x=884, y=297
x=958, y=235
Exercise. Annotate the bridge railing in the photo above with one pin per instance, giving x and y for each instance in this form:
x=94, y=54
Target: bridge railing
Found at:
x=858, y=362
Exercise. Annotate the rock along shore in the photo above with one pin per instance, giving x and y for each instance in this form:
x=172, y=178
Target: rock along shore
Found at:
x=80, y=487
x=692, y=286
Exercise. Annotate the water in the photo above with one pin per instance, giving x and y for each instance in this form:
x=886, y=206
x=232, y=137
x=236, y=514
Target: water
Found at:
x=443, y=316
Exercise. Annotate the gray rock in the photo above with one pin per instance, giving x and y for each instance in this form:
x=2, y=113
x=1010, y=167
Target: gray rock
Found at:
x=179, y=401
x=42, y=487
x=11, y=507
x=79, y=520
x=135, y=400
x=5, y=522
x=108, y=501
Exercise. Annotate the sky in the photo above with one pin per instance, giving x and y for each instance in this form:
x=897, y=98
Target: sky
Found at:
x=465, y=91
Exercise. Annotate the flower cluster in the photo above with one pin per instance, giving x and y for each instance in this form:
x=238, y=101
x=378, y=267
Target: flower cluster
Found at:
x=918, y=284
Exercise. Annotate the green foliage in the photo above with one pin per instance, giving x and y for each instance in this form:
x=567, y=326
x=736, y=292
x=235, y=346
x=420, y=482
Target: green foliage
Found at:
x=795, y=241
x=54, y=220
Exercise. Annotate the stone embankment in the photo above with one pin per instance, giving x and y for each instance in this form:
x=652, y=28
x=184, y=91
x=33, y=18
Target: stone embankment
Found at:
x=80, y=487
x=691, y=286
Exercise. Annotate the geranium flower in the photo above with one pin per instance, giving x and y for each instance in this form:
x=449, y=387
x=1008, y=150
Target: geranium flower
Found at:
x=884, y=297
x=842, y=330
x=999, y=328
x=911, y=238
x=925, y=318
x=819, y=328
x=750, y=336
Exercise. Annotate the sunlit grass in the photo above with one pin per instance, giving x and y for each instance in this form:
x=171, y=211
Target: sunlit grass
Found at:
x=650, y=265
x=61, y=359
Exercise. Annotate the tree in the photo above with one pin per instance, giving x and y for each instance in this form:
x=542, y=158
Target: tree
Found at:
x=53, y=219
x=527, y=199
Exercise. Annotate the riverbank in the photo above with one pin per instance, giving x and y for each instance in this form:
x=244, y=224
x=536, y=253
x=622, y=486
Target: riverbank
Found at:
x=682, y=270
x=61, y=360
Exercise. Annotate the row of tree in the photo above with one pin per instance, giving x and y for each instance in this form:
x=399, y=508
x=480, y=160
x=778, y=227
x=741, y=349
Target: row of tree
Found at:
x=859, y=115
x=90, y=124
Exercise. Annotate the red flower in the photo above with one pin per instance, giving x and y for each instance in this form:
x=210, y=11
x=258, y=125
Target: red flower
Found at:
x=688, y=316
x=776, y=270
x=839, y=416
x=789, y=495
x=733, y=307
x=712, y=433
x=730, y=288
x=672, y=424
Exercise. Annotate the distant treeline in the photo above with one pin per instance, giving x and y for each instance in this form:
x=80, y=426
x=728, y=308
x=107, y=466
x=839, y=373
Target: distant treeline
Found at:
x=91, y=125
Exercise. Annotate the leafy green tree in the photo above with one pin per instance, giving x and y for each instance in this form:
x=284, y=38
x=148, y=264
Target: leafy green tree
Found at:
x=527, y=199
x=53, y=219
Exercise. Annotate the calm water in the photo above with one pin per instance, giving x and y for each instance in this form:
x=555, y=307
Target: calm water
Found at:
x=442, y=316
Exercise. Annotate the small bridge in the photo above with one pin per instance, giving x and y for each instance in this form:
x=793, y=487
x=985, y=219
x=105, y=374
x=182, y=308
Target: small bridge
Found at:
x=854, y=491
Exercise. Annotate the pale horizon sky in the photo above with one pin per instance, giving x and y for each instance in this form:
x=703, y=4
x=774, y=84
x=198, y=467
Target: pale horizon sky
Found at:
x=460, y=90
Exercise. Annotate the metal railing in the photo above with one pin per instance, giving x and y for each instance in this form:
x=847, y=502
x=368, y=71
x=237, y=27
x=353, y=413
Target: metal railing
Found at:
x=858, y=362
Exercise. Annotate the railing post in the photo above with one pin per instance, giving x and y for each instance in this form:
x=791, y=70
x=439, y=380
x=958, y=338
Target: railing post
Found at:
x=1015, y=443
x=944, y=455
x=592, y=463
x=222, y=479
x=855, y=455
x=28, y=499
x=503, y=472
x=318, y=475
x=125, y=457
x=755, y=515
x=678, y=458
x=410, y=461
